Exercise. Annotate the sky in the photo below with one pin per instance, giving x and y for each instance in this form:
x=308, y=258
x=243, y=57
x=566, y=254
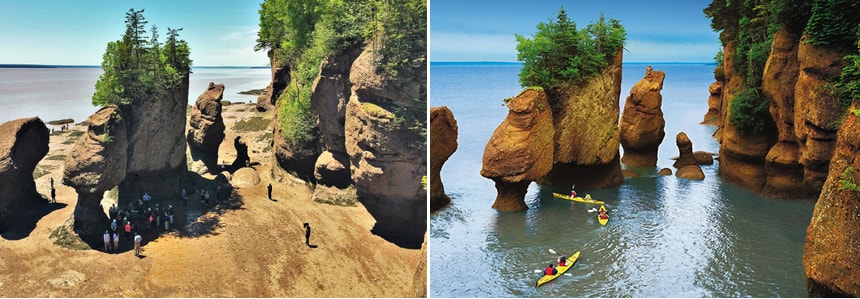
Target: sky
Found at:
x=657, y=31
x=68, y=32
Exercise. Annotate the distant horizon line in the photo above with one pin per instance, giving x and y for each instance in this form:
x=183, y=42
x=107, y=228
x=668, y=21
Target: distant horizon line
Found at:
x=32, y=65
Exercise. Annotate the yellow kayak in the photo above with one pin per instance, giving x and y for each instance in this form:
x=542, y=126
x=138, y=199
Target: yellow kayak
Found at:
x=561, y=269
x=579, y=199
x=601, y=220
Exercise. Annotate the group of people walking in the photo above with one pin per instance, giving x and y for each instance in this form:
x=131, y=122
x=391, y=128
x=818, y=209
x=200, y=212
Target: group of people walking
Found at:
x=140, y=216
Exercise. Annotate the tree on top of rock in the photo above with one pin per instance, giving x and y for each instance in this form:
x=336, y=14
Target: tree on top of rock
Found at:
x=558, y=54
x=136, y=68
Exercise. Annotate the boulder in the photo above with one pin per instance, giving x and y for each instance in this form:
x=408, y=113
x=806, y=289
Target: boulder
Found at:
x=691, y=172
x=23, y=143
x=98, y=161
x=830, y=256
x=520, y=150
x=685, y=147
x=207, y=126
x=587, y=138
x=664, y=172
x=280, y=79
x=388, y=157
x=703, y=158
x=332, y=169
x=443, y=143
x=242, y=158
x=642, y=122
x=245, y=177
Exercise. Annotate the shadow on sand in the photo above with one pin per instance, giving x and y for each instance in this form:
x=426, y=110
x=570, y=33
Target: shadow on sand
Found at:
x=23, y=224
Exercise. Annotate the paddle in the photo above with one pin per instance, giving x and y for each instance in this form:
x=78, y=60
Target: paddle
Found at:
x=550, y=251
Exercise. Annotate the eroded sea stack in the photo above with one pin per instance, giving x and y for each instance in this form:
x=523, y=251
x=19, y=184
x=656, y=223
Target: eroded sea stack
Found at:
x=833, y=239
x=23, y=143
x=443, y=143
x=642, y=122
x=207, y=126
x=520, y=150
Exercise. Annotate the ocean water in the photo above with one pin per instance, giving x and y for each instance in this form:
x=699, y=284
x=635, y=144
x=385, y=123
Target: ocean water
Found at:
x=666, y=237
x=66, y=92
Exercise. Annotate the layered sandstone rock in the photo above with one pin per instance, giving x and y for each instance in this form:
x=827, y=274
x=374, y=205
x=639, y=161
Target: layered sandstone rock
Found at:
x=642, y=122
x=207, y=126
x=156, y=132
x=387, y=157
x=833, y=239
x=443, y=143
x=23, y=143
x=685, y=147
x=691, y=172
x=585, y=118
x=280, y=80
x=242, y=158
x=297, y=158
x=245, y=177
x=331, y=92
x=520, y=150
x=99, y=159
x=715, y=91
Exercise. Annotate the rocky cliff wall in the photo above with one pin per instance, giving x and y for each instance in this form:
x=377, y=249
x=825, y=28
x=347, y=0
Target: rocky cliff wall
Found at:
x=156, y=132
x=443, y=143
x=280, y=80
x=520, y=150
x=23, y=143
x=830, y=253
x=387, y=158
x=587, y=137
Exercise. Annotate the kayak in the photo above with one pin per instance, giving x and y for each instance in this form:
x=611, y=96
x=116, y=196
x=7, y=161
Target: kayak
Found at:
x=601, y=220
x=579, y=199
x=561, y=269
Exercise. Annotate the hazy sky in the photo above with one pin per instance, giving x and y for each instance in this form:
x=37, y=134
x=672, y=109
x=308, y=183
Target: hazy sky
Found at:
x=69, y=32
x=657, y=31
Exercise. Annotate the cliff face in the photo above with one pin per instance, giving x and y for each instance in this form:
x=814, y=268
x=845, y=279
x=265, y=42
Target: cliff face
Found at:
x=587, y=137
x=280, y=80
x=443, y=143
x=520, y=150
x=156, y=128
x=23, y=143
x=832, y=239
x=642, y=123
x=387, y=159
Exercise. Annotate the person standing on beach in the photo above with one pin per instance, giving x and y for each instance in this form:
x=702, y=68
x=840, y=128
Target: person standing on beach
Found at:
x=115, y=241
x=307, y=234
x=52, y=182
x=270, y=191
x=53, y=195
x=184, y=197
x=137, y=240
x=107, y=241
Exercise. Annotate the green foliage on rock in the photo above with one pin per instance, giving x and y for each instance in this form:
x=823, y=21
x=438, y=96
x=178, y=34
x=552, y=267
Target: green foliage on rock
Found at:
x=833, y=23
x=848, y=84
x=750, y=111
x=847, y=182
x=558, y=54
x=138, y=67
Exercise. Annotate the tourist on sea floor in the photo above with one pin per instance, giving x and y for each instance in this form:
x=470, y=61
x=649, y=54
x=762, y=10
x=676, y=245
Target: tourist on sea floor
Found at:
x=184, y=197
x=107, y=241
x=113, y=226
x=127, y=229
x=53, y=195
x=270, y=191
x=166, y=221
x=137, y=240
x=307, y=234
x=115, y=241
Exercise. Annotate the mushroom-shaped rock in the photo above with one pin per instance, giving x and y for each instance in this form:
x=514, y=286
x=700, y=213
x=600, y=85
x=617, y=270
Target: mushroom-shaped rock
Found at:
x=23, y=143
x=242, y=158
x=443, y=143
x=207, y=125
x=691, y=172
x=642, y=122
x=685, y=147
x=520, y=150
x=98, y=160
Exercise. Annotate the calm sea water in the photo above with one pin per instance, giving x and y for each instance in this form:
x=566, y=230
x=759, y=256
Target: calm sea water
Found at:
x=58, y=93
x=667, y=237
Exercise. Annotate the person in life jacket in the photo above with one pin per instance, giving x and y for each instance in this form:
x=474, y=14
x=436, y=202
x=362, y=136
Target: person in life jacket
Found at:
x=603, y=214
x=572, y=191
x=562, y=261
x=550, y=270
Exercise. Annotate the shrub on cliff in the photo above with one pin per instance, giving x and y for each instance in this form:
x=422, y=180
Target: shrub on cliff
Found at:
x=750, y=112
x=558, y=54
x=138, y=67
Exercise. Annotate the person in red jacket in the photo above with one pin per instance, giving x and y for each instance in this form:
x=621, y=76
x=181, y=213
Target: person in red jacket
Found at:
x=550, y=270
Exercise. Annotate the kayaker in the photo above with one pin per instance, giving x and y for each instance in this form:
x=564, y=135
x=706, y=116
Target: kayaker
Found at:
x=603, y=214
x=587, y=196
x=562, y=261
x=550, y=270
x=572, y=191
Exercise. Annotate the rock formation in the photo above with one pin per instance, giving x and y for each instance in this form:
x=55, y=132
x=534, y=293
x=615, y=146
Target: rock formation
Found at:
x=331, y=92
x=388, y=158
x=685, y=147
x=703, y=158
x=207, y=126
x=23, y=143
x=124, y=146
x=520, y=150
x=691, y=172
x=642, y=122
x=443, y=143
x=830, y=252
x=245, y=177
x=294, y=157
x=715, y=92
x=242, y=158
x=280, y=80
x=585, y=118
x=664, y=172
